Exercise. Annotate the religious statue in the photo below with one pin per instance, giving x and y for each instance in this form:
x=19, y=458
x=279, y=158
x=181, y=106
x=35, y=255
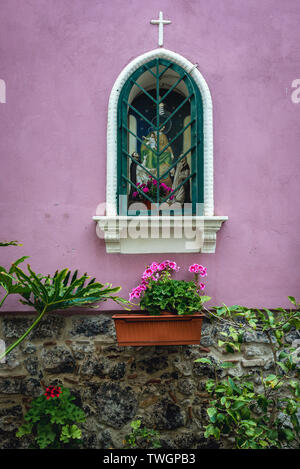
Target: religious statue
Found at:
x=151, y=160
x=181, y=173
x=133, y=172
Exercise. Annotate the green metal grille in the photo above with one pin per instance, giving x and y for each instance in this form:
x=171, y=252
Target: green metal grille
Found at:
x=157, y=95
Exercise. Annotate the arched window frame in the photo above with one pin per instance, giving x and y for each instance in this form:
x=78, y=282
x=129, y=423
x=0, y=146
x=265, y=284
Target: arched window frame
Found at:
x=112, y=126
x=211, y=222
x=195, y=125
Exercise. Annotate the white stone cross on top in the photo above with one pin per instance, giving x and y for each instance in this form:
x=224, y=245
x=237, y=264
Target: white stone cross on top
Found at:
x=161, y=22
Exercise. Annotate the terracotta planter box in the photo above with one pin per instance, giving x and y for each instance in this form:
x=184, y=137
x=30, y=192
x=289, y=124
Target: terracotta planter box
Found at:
x=167, y=329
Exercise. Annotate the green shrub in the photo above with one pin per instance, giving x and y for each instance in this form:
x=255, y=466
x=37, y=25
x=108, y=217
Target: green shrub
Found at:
x=141, y=437
x=52, y=420
x=175, y=296
x=263, y=415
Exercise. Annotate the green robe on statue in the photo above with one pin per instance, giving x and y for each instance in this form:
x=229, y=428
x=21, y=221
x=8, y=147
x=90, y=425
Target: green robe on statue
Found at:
x=149, y=157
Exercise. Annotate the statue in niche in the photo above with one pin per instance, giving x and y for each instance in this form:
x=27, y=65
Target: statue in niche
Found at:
x=149, y=156
x=182, y=172
x=133, y=172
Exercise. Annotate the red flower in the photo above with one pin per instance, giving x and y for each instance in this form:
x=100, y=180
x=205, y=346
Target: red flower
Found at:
x=52, y=391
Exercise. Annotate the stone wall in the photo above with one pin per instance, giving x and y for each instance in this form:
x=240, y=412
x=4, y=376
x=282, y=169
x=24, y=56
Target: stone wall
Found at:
x=115, y=385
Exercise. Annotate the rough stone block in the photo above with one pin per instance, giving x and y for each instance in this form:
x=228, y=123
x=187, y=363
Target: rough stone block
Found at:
x=153, y=364
x=253, y=363
x=186, y=386
x=58, y=359
x=31, y=365
x=90, y=327
x=11, y=385
x=11, y=418
x=253, y=351
x=166, y=415
x=116, y=405
x=50, y=326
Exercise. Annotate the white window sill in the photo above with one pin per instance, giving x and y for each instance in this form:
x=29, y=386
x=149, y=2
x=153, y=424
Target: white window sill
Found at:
x=159, y=234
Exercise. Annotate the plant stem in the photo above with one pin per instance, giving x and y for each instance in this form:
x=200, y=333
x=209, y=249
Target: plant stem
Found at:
x=3, y=299
x=11, y=347
x=273, y=349
x=275, y=410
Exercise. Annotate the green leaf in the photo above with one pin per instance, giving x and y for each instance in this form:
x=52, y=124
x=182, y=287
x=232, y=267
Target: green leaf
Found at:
x=211, y=430
x=252, y=323
x=271, y=380
x=263, y=443
x=135, y=425
x=56, y=293
x=17, y=262
x=238, y=405
x=45, y=435
x=227, y=365
x=6, y=281
x=209, y=386
x=292, y=300
x=283, y=367
x=271, y=317
x=204, y=298
x=221, y=311
x=289, y=434
x=9, y=243
x=24, y=429
x=203, y=360
x=234, y=387
x=212, y=412
x=230, y=348
x=70, y=432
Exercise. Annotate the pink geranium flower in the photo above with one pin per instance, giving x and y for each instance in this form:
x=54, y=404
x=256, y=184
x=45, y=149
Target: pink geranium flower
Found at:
x=173, y=266
x=162, y=266
x=145, y=189
x=198, y=269
x=148, y=273
x=154, y=266
x=193, y=268
x=134, y=294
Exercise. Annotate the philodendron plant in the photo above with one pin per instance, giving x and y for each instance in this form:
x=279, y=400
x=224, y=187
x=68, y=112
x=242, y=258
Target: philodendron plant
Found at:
x=265, y=412
x=44, y=294
x=9, y=283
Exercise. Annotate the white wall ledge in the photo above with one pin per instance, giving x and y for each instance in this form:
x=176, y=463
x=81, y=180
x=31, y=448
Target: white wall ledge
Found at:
x=159, y=234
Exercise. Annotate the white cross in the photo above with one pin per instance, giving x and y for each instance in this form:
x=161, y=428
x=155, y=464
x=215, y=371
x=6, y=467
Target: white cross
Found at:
x=160, y=23
x=2, y=94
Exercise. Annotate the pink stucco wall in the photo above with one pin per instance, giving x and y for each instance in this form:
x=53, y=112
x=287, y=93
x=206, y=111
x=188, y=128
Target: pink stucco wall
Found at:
x=60, y=58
